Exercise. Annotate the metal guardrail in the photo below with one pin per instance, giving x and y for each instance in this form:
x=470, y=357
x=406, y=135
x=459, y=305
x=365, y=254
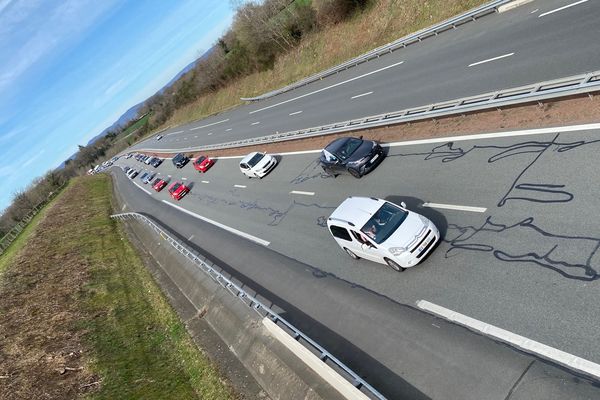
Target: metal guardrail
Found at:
x=537, y=92
x=416, y=37
x=252, y=302
x=16, y=230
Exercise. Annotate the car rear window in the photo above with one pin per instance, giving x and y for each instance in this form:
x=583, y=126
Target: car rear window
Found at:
x=174, y=187
x=200, y=159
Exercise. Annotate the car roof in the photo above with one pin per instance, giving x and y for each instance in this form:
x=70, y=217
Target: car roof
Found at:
x=337, y=144
x=357, y=210
x=249, y=157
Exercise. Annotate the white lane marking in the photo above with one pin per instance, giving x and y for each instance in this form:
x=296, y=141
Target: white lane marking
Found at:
x=239, y=186
x=295, y=113
x=173, y=133
x=184, y=179
x=521, y=342
x=255, y=123
x=204, y=126
x=301, y=192
x=534, y=11
x=220, y=225
x=562, y=8
x=205, y=181
x=361, y=95
x=493, y=135
x=124, y=207
x=328, y=87
x=191, y=237
x=228, y=129
x=455, y=207
x=196, y=137
x=210, y=133
x=491, y=59
x=136, y=184
x=525, y=132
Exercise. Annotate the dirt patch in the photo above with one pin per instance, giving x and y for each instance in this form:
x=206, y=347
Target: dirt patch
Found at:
x=40, y=344
x=577, y=110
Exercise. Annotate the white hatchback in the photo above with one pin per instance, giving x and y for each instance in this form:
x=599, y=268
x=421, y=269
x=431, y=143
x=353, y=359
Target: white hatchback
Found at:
x=380, y=231
x=257, y=165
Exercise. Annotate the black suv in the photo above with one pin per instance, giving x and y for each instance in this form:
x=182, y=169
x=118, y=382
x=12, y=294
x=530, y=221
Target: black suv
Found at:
x=353, y=155
x=180, y=160
x=155, y=162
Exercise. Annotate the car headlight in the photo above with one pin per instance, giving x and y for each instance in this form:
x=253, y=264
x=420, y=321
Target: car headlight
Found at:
x=397, y=251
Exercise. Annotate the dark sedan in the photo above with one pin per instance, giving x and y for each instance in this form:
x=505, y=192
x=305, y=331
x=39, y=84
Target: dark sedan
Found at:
x=353, y=155
x=180, y=160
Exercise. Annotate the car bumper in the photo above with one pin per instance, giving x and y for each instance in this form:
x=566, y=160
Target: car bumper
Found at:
x=373, y=162
x=268, y=168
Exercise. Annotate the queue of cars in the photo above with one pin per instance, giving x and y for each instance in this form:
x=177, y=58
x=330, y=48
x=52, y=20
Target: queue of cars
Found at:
x=363, y=227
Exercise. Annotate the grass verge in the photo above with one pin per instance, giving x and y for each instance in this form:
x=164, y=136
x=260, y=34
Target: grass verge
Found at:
x=8, y=256
x=81, y=315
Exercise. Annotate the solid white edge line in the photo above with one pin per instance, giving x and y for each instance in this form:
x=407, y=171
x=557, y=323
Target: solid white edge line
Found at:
x=328, y=87
x=521, y=342
x=562, y=8
x=480, y=136
x=207, y=125
x=455, y=207
x=329, y=375
x=294, y=113
x=301, y=192
x=491, y=59
x=138, y=185
x=240, y=186
x=220, y=225
x=361, y=95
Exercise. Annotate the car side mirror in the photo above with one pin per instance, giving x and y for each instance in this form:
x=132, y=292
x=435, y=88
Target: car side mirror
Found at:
x=403, y=204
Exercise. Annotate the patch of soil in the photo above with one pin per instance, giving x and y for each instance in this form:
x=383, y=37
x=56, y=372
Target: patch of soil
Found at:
x=569, y=111
x=41, y=351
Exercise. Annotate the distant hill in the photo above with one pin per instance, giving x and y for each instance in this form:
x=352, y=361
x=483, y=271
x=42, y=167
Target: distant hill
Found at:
x=123, y=119
x=133, y=111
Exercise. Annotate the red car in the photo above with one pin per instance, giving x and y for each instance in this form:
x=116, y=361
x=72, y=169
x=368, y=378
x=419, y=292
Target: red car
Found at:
x=178, y=190
x=159, y=184
x=203, y=163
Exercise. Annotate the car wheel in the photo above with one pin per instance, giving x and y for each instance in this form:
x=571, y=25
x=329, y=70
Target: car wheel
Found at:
x=351, y=254
x=394, y=265
x=354, y=173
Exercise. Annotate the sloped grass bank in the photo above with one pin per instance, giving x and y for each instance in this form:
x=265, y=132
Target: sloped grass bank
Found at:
x=81, y=316
x=382, y=22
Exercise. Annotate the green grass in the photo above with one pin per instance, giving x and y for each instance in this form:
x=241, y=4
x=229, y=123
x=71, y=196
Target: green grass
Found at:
x=133, y=128
x=9, y=254
x=77, y=283
x=141, y=348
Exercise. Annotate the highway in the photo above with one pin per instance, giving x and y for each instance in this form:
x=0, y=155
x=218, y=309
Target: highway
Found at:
x=520, y=245
x=519, y=252
x=518, y=47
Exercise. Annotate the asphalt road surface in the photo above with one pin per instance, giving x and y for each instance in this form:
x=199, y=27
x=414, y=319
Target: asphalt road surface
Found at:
x=518, y=47
x=520, y=252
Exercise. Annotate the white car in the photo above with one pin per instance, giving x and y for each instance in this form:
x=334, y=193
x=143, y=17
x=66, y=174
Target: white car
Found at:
x=257, y=165
x=380, y=231
x=158, y=137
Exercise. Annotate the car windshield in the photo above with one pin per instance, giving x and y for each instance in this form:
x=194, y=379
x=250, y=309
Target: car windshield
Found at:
x=384, y=222
x=348, y=148
x=156, y=182
x=178, y=157
x=254, y=160
x=175, y=187
x=200, y=159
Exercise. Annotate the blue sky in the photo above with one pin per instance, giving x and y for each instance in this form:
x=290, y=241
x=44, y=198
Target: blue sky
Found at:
x=70, y=68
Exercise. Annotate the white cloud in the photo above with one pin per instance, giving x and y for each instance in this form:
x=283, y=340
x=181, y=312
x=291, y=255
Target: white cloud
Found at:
x=30, y=160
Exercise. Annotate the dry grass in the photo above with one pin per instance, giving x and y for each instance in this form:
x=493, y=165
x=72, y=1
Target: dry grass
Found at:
x=382, y=22
x=81, y=316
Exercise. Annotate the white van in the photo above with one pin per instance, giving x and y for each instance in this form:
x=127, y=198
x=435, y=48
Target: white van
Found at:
x=380, y=231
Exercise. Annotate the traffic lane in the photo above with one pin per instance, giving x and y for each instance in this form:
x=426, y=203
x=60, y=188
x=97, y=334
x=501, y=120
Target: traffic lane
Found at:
x=430, y=76
x=499, y=253
x=403, y=346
